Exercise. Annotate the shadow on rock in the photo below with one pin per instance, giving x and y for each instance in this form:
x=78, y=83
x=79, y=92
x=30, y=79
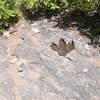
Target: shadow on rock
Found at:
x=87, y=23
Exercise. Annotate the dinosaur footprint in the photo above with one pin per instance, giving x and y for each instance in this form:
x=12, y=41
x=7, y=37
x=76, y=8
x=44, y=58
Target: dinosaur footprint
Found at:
x=63, y=48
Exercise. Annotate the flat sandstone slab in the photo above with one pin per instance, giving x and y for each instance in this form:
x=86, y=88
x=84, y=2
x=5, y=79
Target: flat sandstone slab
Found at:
x=31, y=70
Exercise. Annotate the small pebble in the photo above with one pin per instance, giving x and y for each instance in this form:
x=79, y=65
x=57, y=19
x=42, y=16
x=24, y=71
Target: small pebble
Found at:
x=87, y=86
x=87, y=47
x=13, y=60
x=85, y=70
x=19, y=63
x=6, y=34
x=22, y=74
x=36, y=30
x=19, y=69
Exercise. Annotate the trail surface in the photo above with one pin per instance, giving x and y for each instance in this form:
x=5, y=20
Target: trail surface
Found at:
x=31, y=70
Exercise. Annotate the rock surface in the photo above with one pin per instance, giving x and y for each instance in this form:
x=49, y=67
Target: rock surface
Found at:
x=31, y=70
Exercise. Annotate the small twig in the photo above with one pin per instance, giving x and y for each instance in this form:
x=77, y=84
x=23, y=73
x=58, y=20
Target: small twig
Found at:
x=69, y=59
